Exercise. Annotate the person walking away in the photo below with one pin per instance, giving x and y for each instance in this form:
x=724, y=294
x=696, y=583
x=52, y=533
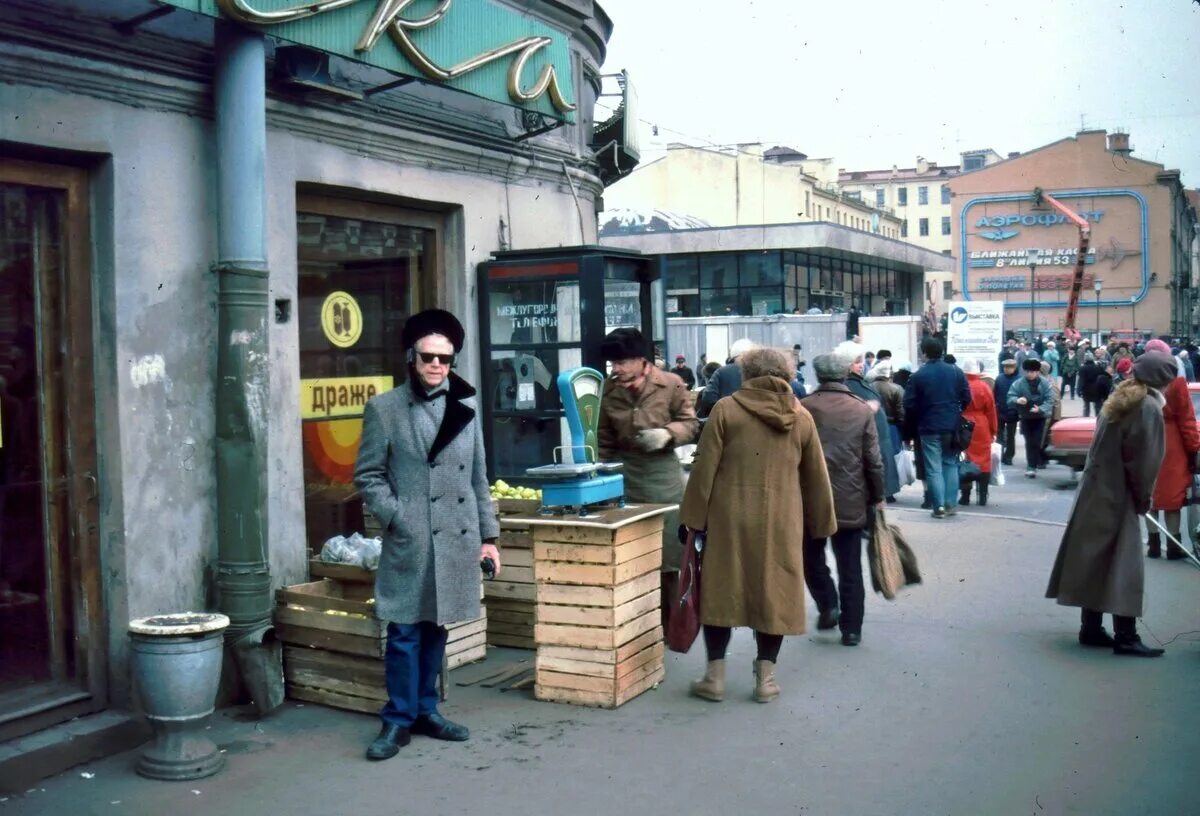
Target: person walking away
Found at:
x=645, y=413
x=934, y=401
x=1069, y=368
x=981, y=411
x=421, y=442
x=1103, y=387
x=758, y=487
x=858, y=386
x=1099, y=565
x=849, y=440
x=1089, y=372
x=1031, y=397
x=1181, y=444
x=1007, y=433
x=726, y=380
x=892, y=399
x=683, y=372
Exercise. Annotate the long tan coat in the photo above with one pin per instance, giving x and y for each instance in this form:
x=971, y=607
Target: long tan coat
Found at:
x=1099, y=564
x=758, y=484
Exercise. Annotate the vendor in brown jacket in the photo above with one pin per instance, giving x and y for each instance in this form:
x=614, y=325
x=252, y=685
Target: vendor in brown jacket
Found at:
x=645, y=413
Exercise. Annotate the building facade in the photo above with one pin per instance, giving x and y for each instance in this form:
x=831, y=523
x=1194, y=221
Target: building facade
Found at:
x=742, y=186
x=1138, y=275
x=383, y=187
x=785, y=268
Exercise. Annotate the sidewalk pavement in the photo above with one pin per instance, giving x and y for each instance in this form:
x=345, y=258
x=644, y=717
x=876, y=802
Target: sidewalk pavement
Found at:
x=968, y=695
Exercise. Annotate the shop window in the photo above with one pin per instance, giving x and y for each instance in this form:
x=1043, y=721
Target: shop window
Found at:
x=716, y=302
x=945, y=193
x=361, y=272
x=718, y=272
x=682, y=272
x=761, y=300
x=901, y=196
x=761, y=269
x=622, y=305
x=924, y=227
x=879, y=197
x=945, y=225
x=922, y=195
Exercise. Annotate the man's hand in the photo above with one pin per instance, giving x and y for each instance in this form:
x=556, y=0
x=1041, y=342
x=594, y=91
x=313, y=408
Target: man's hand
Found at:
x=652, y=439
x=1034, y=410
x=1021, y=400
x=493, y=552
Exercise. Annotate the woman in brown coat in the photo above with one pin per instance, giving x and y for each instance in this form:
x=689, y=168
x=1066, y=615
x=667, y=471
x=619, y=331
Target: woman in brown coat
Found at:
x=1099, y=565
x=758, y=485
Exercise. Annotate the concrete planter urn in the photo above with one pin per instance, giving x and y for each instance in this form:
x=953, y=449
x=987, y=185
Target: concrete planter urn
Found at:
x=176, y=663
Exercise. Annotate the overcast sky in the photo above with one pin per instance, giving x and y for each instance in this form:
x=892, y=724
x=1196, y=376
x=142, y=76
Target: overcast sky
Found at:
x=876, y=83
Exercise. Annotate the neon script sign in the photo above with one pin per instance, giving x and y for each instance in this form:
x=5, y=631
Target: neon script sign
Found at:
x=389, y=18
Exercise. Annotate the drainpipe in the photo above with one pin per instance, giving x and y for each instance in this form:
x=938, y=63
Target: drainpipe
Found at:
x=243, y=571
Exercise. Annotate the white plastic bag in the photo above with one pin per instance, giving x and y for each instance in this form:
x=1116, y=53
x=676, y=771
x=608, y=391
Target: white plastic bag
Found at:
x=355, y=551
x=906, y=467
x=996, y=477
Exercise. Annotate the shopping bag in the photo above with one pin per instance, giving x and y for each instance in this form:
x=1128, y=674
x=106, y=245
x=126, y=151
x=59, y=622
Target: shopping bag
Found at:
x=683, y=624
x=906, y=467
x=996, y=477
x=963, y=434
x=893, y=563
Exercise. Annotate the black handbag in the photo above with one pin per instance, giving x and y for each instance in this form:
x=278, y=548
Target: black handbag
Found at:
x=963, y=434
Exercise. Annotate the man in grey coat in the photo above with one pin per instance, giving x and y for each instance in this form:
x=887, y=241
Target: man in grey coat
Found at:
x=421, y=472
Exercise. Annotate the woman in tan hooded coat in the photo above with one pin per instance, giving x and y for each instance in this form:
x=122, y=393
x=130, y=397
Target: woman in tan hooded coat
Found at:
x=758, y=486
x=1099, y=565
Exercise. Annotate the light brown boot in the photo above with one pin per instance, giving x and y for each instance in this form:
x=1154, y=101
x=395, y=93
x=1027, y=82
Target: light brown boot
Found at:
x=712, y=686
x=765, y=687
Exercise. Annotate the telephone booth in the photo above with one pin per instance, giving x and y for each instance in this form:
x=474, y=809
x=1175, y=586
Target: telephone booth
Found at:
x=545, y=311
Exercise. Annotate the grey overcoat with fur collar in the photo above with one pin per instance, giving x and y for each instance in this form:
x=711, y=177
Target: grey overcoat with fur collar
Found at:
x=434, y=504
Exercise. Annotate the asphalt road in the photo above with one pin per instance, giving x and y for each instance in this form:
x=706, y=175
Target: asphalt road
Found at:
x=968, y=695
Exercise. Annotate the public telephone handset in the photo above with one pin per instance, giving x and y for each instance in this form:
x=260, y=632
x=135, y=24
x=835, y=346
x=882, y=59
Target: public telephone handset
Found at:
x=585, y=480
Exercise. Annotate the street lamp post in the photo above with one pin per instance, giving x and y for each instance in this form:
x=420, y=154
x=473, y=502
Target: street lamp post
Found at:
x=1032, y=301
x=1098, y=285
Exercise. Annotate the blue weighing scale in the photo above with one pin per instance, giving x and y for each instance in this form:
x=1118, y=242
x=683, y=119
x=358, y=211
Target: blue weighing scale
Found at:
x=584, y=481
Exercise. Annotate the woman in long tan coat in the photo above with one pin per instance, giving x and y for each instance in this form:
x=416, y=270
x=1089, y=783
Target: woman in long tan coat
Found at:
x=1099, y=565
x=757, y=486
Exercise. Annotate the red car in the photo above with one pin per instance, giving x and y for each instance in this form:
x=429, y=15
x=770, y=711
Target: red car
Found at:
x=1071, y=438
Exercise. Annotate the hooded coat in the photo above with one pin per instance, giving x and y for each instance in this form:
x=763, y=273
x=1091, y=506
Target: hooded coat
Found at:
x=1099, y=563
x=1182, y=442
x=426, y=483
x=758, y=486
x=981, y=411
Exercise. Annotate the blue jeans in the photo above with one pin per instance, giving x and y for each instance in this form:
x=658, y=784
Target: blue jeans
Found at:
x=411, y=666
x=941, y=469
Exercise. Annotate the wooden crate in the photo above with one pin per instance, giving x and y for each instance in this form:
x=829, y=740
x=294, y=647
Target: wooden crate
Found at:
x=513, y=595
x=597, y=617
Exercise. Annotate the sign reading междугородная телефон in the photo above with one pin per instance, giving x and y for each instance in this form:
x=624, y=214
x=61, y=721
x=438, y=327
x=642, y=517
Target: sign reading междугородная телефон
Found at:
x=480, y=47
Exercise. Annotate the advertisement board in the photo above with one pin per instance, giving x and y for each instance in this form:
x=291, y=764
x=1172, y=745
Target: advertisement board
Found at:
x=975, y=329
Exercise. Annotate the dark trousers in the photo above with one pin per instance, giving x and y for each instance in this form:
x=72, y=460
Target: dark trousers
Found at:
x=848, y=592
x=716, y=642
x=1033, y=428
x=1089, y=404
x=411, y=666
x=1008, y=439
x=1068, y=382
x=1124, y=628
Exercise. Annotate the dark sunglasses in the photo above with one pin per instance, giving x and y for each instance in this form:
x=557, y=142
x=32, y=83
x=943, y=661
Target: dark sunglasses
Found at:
x=444, y=359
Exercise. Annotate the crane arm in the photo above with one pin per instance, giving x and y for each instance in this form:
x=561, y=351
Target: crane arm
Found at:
x=1085, y=237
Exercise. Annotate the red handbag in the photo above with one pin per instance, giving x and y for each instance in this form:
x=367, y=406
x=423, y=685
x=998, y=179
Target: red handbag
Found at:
x=684, y=622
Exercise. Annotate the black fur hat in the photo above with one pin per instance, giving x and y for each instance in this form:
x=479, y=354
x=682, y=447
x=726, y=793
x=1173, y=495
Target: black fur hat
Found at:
x=1031, y=364
x=433, y=321
x=624, y=344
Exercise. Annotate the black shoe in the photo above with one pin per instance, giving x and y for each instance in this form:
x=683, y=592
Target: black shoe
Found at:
x=851, y=638
x=1175, y=553
x=1006, y=462
x=1153, y=546
x=939, y=513
x=1096, y=637
x=1135, y=648
x=828, y=619
x=965, y=499
x=438, y=727
x=926, y=505
x=389, y=742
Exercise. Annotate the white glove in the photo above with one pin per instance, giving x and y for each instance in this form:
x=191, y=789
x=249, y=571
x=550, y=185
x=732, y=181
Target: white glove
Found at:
x=652, y=439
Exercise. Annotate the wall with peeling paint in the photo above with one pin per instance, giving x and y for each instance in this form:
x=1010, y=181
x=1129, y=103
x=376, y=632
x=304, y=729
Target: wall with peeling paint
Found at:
x=154, y=239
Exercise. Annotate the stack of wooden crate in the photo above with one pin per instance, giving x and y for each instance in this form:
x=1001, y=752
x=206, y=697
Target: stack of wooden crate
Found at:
x=510, y=598
x=334, y=645
x=599, y=634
